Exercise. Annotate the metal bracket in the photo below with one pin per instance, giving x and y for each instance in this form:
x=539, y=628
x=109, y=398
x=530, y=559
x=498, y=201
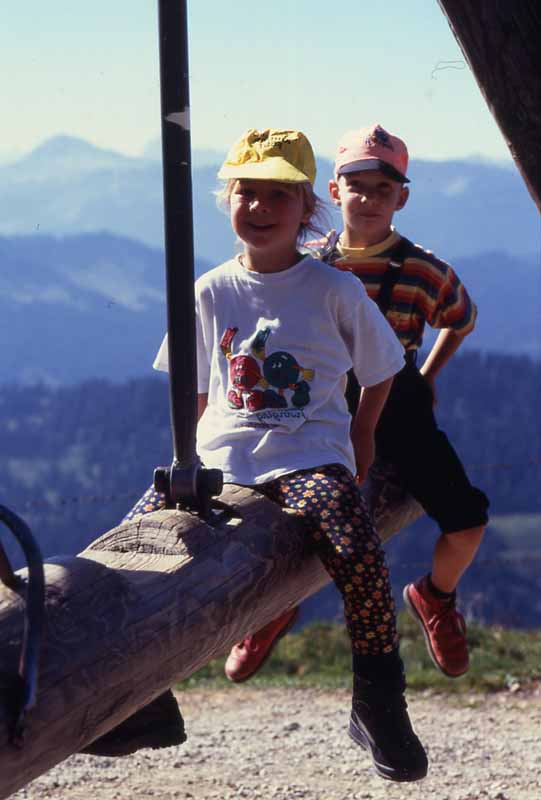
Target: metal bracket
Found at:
x=22, y=687
x=189, y=487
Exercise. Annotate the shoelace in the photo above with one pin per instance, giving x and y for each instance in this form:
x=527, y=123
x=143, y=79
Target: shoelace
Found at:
x=448, y=620
x=250, y=643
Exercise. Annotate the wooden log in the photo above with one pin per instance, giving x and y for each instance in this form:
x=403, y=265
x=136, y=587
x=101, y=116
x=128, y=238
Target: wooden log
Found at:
x=500, y=42
x=147, y=605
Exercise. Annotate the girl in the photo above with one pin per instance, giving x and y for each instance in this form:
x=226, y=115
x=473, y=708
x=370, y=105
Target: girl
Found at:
x=277, y=332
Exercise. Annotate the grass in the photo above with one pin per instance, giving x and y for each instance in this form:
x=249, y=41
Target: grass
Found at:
x=319, y=655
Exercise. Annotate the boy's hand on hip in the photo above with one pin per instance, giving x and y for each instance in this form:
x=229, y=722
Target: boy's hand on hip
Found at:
x=431, y=380
x=446, y=344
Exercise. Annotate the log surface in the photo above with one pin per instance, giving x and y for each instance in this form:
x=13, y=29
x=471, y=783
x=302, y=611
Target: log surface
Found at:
x=147, y=605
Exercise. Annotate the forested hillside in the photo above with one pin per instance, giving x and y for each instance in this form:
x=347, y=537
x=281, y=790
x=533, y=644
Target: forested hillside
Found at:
x=97, y=306
x=74, y=459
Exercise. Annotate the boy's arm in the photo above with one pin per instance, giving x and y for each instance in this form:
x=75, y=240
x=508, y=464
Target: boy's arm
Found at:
x=444, y=347
x=368, y=411
x=202, y=402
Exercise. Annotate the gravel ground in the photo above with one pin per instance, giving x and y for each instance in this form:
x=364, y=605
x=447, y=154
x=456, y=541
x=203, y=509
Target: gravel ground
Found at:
x=286, y=744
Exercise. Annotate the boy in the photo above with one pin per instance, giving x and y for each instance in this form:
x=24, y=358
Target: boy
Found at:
x=412, y=287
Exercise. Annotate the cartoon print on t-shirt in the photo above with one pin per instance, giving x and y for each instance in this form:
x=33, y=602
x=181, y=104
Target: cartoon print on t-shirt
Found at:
x=250, y=383
x=280, y=369
x=244, y=374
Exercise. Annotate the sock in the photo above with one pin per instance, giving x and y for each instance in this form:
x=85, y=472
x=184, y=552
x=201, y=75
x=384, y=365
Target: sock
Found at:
x=385, y=668
x=438, y=592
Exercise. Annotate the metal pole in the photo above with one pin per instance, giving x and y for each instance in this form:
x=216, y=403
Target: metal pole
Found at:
x=179, y=249
x=185, y=483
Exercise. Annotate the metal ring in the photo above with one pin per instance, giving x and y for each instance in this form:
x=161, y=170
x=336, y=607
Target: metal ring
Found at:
x=34, y=620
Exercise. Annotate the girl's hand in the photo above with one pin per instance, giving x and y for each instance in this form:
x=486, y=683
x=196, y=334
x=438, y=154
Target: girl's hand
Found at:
x=365, y=450
x=370, y=405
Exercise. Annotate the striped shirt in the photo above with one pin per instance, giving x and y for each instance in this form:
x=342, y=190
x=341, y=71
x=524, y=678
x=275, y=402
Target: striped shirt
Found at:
x=427, y=291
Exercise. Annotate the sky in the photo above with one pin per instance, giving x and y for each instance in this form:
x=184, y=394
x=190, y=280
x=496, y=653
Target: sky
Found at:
x=91, y=70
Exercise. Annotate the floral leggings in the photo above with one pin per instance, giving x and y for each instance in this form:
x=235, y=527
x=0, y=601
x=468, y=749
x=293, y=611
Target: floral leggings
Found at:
x=345, y=540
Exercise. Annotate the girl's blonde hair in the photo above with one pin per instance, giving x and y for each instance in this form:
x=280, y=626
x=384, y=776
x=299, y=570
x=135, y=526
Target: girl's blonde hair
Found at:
x=319, y=219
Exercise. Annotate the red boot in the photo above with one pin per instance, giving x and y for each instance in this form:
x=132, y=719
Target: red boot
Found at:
x=247, y=657
x=443, y=627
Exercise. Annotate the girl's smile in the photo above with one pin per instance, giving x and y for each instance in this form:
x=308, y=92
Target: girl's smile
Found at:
x=266, y=216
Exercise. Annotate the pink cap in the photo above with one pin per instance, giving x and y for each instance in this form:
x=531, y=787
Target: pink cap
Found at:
x=372, y=148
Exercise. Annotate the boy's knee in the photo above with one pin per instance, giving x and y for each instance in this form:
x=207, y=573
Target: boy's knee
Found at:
x=463, y=511
x=467, y=538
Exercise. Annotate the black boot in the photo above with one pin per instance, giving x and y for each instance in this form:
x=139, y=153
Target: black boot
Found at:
x=379, y=719
x=159, y=724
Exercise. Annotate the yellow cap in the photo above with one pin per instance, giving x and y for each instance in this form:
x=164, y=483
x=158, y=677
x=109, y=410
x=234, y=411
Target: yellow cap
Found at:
x=271, y=155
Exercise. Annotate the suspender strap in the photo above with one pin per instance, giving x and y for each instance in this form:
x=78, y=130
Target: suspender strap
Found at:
x=329, y=252
x=392, y=274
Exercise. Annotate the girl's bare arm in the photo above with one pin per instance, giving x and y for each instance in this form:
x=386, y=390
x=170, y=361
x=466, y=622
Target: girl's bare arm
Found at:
x=368, y=412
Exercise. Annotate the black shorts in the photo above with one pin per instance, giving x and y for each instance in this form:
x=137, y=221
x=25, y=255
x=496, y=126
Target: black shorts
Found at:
x=407, y=435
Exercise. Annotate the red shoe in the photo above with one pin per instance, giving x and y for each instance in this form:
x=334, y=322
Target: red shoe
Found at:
x=443, y=627
x=247, y=657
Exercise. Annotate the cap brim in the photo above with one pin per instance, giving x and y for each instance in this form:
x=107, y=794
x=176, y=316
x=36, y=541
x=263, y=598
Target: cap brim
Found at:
x=271, y=169
x=373, y=163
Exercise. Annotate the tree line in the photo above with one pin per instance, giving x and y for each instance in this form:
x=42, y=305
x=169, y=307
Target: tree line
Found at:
x=75, y=459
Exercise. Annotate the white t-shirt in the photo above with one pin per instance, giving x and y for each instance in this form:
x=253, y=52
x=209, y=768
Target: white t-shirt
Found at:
x=273, y=351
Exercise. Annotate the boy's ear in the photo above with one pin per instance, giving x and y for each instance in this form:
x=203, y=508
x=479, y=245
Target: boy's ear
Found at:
x=334, y=192
x=402, y=198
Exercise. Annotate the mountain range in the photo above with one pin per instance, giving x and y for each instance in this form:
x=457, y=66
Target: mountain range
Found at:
x=82, y=262
x=67, y=186
x=82, y=297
